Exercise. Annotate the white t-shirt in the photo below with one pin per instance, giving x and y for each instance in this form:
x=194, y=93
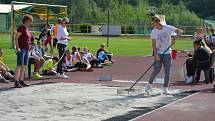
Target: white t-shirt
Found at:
x=39, y=51
x=88, y=56
x=69, y=61
x=62, y=33
x=163, y=38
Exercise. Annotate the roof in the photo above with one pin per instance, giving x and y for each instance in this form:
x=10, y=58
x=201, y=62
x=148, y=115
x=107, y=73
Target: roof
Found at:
x=6, y=8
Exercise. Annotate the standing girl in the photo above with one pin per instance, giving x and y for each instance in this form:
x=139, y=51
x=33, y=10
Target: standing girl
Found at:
x=23, y=38
x=63, y=38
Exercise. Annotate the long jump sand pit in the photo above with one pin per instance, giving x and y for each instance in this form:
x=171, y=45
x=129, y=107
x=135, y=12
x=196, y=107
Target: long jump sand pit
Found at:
x=78, y=102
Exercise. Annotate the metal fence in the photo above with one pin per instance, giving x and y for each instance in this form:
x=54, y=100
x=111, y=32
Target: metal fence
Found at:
x=86, y=29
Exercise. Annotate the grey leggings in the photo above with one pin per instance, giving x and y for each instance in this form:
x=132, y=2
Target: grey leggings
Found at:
x=166, y=60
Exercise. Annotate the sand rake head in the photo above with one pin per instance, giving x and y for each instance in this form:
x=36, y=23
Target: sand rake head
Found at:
x=128, y=91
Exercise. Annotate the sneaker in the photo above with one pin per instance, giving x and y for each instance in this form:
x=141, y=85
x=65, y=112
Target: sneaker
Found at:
x=62, y=76
x=3, y=80
x=17, y=85
x=9, y=75
x=37, y=76
x=148, y=89
x=99, y=66
x=189, y=80
x=166, y=91
x=23, y=84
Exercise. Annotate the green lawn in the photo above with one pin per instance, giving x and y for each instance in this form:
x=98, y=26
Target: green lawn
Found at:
x=120, y=46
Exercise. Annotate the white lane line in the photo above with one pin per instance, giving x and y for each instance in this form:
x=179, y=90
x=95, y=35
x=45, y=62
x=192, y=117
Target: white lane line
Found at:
x=163, y=107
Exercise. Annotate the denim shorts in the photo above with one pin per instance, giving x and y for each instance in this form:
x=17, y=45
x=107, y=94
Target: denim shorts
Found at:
x=22, y=57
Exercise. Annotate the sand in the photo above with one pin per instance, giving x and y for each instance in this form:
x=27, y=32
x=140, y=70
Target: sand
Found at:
x=69, y=102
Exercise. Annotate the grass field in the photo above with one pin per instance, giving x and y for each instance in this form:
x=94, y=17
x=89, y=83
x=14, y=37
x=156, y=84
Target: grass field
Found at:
x=120, y=46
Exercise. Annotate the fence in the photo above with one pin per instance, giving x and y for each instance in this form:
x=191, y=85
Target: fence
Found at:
x=86, y=29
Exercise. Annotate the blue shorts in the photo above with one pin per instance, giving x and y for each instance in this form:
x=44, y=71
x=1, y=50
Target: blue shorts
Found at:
x=22, y=57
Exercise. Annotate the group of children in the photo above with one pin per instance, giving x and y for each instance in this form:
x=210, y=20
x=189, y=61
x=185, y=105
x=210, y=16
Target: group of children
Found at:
x=208, y=36
x=76, y=60
x=202, y=59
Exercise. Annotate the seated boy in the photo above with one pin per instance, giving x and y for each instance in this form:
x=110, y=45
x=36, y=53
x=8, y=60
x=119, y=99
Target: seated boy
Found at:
x=48, y=67
x=109, y=54
x=103, y=58
x=4, y=70
x=36, y=60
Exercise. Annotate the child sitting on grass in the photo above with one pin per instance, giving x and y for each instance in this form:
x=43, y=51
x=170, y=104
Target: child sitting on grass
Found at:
x=4, y=70
x=48, y=67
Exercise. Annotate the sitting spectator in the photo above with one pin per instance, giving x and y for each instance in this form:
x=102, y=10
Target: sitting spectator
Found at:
x=4, y=70
x=48, y=67
x=109, y=55
x=103, y=58
x=40, y=52
x=200, y=60
x=79, y=61
x=212, y=39
x=68, y=63
x=199, y=34
x=36, y=60
x=94, y=62
x=84, y=64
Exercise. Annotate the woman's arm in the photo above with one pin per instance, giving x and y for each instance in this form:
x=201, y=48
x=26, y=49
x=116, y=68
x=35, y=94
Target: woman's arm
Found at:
x=18, y=34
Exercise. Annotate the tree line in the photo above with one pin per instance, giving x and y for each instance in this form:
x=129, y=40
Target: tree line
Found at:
x=133, y=12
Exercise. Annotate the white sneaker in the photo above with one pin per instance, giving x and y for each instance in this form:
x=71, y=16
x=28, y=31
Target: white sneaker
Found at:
x=189, y=80
x=62, y=76
x=148, y=89
x=166, y=91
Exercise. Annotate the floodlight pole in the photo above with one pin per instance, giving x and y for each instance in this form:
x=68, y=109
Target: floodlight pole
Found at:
x=12, y=26
x=108, y=28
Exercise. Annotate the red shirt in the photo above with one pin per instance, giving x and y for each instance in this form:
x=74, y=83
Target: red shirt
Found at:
x=25, y=38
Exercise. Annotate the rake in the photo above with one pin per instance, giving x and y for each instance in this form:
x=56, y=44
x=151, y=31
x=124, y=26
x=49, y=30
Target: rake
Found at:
x=131, y=89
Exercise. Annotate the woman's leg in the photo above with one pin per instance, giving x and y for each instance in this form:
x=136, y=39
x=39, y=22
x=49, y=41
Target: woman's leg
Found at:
x=156, y=71
x=61, y=51
x=198, y=74
x=22, y=71
x=207, y=77
x=167, y=62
